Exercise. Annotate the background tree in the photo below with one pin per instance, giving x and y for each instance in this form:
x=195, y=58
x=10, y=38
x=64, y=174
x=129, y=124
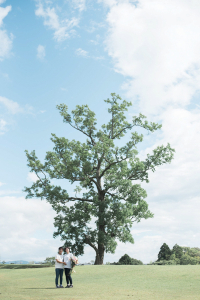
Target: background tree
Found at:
x=105, y=171
x=50, y=260
x=178, y=251
x=164, y=253
x=127, y=260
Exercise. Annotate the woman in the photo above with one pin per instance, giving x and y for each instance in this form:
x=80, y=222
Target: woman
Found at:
x=67, y=266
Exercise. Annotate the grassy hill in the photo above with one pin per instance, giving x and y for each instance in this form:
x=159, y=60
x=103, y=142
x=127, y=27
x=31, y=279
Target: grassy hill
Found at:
x=104, y=282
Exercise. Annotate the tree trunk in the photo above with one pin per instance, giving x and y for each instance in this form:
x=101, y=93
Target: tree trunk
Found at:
x=99, y=256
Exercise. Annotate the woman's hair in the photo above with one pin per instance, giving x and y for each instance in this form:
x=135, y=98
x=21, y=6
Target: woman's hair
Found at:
x=67, y=248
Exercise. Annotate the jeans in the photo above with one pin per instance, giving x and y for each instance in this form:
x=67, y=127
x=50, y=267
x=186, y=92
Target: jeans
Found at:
x=59, y=273
x=68, y=276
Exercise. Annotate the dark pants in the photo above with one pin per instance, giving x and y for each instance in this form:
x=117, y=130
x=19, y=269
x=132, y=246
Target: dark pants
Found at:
x=68, y=276
x=59, y=273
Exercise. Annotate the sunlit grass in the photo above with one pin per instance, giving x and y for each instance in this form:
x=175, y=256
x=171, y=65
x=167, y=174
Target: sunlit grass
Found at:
x=104, y=282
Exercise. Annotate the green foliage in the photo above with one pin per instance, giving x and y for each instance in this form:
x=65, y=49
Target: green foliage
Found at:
x=164, y=262
x=179, y=256
x=127, y=260
x=50, y=260
x=105, y=175
x=178, y=251
x=23, y=266
x=164, y=253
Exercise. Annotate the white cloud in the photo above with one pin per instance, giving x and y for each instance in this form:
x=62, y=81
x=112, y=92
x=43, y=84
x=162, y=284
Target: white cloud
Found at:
x=157, y=46
x=30, y=227
x=108, y=3
x=4, y=12
x=79, y=4
x=32, y=177
x=62, y=27
x=1, y=183
x=3, y=124
x=5, y=39
x=9, y=192
x=81, y=52
x=41, y=52
x=7, y=109
x=11, y=106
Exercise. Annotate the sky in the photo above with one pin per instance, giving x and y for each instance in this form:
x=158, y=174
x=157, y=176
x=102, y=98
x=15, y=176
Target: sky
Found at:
x=78, y=52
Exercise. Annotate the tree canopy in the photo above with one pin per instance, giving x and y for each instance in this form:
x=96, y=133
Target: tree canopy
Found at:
x=108, y=197
x=127, y=260
x=164, y=252
x=178, y=255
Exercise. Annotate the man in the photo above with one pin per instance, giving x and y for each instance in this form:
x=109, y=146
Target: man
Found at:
x=59, y=267
x=67, y=267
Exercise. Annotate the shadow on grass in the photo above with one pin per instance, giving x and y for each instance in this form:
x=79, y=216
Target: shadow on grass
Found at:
x=51, y=288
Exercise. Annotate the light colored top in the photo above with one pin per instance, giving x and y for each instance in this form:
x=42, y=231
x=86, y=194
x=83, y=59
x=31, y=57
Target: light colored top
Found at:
x=60, y=258
x=67, y=259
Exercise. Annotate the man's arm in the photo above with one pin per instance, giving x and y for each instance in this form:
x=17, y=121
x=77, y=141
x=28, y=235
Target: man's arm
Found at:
x=60, y=262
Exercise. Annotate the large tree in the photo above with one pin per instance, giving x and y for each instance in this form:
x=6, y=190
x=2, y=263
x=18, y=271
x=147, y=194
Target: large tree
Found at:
x=106, y=201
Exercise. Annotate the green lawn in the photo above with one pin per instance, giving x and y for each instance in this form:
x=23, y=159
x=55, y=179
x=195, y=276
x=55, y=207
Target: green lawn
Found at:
x=104, y=282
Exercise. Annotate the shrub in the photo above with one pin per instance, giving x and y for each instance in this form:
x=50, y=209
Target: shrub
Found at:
x=127, y=260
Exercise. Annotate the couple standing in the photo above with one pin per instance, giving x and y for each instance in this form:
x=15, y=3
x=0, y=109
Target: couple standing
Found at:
x=66, y=262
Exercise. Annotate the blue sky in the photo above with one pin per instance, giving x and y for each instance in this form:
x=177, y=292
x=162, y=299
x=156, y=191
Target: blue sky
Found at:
x=78, y=52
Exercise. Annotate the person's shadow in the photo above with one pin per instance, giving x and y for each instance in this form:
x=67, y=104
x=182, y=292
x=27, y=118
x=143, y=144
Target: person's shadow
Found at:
x=50, y=288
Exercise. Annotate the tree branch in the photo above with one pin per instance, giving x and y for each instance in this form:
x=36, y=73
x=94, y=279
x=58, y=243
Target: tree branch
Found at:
x=87, y=241
x=111, y=164
x=80, y=199
x=127, y=127
x=89, y=135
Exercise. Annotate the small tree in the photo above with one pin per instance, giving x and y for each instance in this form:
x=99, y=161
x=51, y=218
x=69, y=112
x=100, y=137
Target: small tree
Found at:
x=50, y=260
x=164, y=253
x=178, y=251
x=125, y=260
x=105, y=173
x=3, y=262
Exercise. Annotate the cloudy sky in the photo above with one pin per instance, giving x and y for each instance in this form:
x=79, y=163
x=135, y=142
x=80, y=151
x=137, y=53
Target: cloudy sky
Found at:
x=78, y=52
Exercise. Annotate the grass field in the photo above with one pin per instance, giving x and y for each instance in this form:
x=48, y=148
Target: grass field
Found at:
x=104, y=282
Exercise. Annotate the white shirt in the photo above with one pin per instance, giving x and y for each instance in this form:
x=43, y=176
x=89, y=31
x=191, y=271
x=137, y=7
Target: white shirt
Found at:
x=58, y=265
x=67, y=259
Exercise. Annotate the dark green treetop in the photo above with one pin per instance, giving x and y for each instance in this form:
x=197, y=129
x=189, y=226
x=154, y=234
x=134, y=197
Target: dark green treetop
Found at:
x=178, y=251
x=127, y=260
x=164, y=253
x=105, y=173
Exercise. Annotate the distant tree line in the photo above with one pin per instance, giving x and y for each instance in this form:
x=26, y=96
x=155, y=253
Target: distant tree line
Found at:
x=178, y=255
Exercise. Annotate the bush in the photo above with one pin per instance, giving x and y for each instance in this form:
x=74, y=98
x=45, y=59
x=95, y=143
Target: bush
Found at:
x=189, y=260
x=21, y=266
x=127, y=260
x=50, y=260
x=164, y=262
